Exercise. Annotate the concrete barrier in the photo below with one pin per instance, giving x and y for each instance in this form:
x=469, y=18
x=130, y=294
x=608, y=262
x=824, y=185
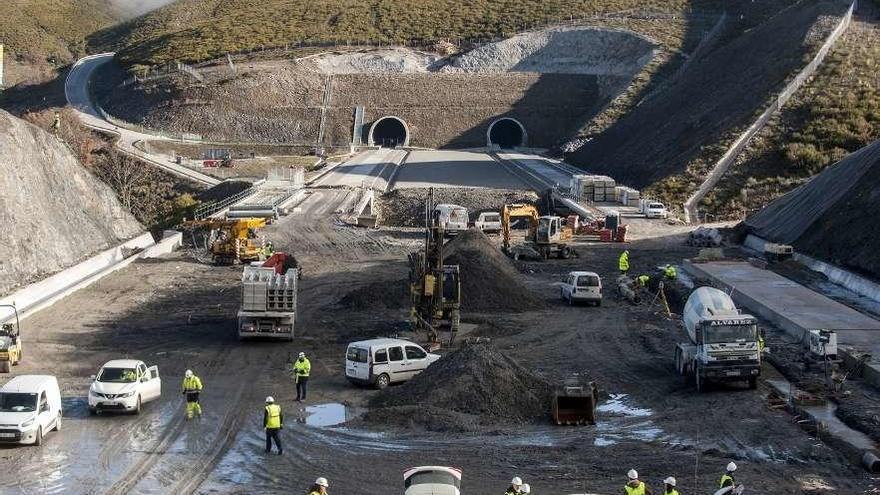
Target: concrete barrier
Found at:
x=839, y=276
x=44, y=293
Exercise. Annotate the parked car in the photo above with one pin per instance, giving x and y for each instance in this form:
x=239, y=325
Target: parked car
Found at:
x=432, y=480
x=124, y=385
x=489, y=222
x=582, y=286
x=30, y=407
x=381, y=362
x=653, y=209
x=453, y=218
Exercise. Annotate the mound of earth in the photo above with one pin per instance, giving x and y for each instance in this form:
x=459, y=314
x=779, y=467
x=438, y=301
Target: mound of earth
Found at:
x=489, y=281
x=386, y=294
x=475, y=381
x=55, y=211
x=830, y=217
x=406, y=207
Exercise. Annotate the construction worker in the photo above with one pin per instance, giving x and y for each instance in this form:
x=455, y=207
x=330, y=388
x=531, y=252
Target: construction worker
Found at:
x=727, y=478
x=273, y=422
x=56, y=123
x=761, y=344
x=670, y=486
x=268, y=250
x=320, y=487
x=643, y=281
x=192, y=387
x=669, y=272
x=301, y=370
x=515, y=486
x=634, y=486
x=623, y=262
x=129, y=375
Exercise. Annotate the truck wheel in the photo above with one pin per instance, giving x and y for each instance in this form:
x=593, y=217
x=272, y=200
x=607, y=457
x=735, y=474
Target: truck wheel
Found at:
x=4, y=366
x=753, y=382
x=382, y=381
x=565, y=253
x=678, y=367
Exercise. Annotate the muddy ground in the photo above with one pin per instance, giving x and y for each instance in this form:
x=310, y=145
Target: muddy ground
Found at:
x=180, y=314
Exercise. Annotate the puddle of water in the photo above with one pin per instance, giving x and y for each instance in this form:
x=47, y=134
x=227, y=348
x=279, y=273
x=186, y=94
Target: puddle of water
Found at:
x=324, y=415
x=603, y=442
x=616, y=405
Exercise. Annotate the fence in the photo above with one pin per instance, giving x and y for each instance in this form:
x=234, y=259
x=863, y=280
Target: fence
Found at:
x=729, y=157
x=166, y=70
x=209, y=209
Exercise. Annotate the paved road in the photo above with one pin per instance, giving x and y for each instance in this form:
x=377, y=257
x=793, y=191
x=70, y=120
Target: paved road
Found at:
x=76, y=90
x=370, y=168
x=455, y=169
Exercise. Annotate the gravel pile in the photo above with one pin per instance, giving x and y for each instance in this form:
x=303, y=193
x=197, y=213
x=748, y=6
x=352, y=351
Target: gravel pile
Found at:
x=406, y=207
x=387, y=294
x=489, y=281
x=395, y=60
x=476, y=381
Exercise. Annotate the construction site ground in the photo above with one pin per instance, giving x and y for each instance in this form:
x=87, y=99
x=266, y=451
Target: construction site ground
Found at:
x=179, y=314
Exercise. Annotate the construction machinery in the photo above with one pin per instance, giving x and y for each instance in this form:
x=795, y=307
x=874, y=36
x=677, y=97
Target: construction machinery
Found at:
x=435, y=288
x=547, y=235
x=268, y=298
x=10, y=342
x=234, y=240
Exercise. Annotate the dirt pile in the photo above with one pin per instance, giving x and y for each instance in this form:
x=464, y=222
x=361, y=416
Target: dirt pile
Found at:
x=57, y=213
x=477, y=380
x=406, y=207
x=386, y=294
x=489, y=281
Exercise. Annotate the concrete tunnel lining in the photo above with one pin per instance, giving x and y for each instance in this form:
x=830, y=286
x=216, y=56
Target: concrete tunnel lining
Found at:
x=384, y=121
x=493, y=139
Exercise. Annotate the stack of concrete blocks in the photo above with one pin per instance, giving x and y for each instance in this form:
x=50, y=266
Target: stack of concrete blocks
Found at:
x=265, y=290
x=628, y=196
x=593, y=188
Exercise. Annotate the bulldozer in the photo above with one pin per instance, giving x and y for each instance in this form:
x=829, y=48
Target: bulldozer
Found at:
x=233, y=241
x=546, y=234
x=10, y=342
x=435, y=288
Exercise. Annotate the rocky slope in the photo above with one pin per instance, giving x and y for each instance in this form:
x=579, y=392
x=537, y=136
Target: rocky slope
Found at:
x=54, y=212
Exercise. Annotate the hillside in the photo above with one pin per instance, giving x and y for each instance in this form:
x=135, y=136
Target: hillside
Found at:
x=194, y=30
x=44, y=34
x=836, y=113
x=56, y=212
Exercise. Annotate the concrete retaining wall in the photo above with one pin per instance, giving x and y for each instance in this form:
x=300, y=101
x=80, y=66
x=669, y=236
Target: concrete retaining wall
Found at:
x=46, y=292
x=839, y=276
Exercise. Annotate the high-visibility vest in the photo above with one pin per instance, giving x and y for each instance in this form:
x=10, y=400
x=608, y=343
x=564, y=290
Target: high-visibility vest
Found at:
x=673, y=492
x=643, y=280
x=635, y=490
x=724, y=479
x=670, y=272
x=623, y=262
x=302, y=368
x=273, y=417
x=192, y=383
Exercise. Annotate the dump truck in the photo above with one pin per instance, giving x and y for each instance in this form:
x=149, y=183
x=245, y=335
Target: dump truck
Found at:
x=723, y=343
x=268, y=298
x=575, y=405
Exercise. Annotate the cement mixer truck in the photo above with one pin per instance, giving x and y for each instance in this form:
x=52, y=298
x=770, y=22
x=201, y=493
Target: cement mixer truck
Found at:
x=723, y=343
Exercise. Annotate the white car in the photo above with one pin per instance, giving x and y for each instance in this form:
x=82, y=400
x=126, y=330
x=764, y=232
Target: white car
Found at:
x=489, y=222
x=432, y=480
x=381, y=362
x=124, y=385
x=582, y=286
x=30, y=406
x=655, y=209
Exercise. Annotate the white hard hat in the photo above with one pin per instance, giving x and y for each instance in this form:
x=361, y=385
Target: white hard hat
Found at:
x=669, y=481
x=322, y=482
x=516, y=481
x=731, y=466
x=302, y=354
x=270, y=399
x=632, y=474
x=188, y=373
x=525, y=488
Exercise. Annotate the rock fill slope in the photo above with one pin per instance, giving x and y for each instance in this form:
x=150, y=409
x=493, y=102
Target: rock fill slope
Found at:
x=53, y=211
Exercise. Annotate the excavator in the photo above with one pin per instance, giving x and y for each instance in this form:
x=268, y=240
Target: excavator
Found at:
x=435, y=288
x=546, y=234
x=234, y=240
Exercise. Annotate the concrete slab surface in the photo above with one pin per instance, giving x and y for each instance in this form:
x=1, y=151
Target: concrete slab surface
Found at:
x=454, y=169
x=369, y=168
x=790, y=305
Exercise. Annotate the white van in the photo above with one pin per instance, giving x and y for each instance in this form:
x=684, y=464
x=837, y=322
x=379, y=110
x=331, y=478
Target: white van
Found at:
x=453, y=218
x=432, y=480
x=30, y=407
x=489, y=222
x=380, y=362
x=582, y=286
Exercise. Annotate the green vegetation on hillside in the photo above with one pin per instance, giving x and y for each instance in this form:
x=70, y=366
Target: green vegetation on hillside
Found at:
x=835, y=114
x=195, y=30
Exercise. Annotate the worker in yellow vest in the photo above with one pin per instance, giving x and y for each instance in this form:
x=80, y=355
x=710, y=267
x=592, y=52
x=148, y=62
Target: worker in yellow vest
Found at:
x=302, y=368
x=192, y=388
x=670, y=273
x=623, y=262
x=635, y=486
x=320, y=487
x=670, y=486
x=273, y=422
x=727, y=478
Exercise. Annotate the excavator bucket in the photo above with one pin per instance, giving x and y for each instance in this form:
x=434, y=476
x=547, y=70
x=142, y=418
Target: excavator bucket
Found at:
x=575, y=405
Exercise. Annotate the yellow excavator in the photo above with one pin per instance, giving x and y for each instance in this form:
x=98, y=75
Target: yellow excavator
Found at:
x=234, y=240
x=546, y=234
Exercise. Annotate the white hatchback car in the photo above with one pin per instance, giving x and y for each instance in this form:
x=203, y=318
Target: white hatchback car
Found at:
x=582, y=286
x=656, y=209
x=124, y=385
x=432, y=480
